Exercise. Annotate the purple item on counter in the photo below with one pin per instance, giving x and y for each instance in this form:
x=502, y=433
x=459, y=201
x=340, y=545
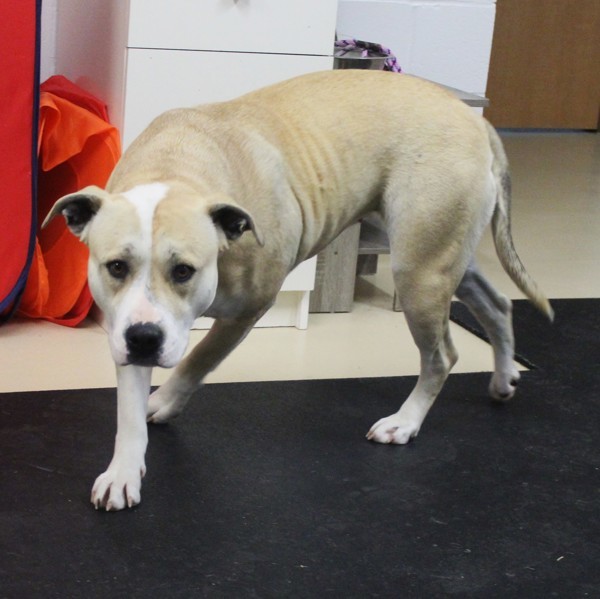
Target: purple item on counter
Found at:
x=368, y=49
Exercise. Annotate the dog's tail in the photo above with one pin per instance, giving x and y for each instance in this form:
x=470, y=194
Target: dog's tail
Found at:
x=502, y=230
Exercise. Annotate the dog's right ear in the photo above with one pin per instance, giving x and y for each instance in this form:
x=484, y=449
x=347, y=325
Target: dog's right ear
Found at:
x=78, y=209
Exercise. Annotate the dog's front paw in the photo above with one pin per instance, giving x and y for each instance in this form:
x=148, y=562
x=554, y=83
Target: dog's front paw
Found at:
x=118, y=487
x=162, y=407
x=395, y=429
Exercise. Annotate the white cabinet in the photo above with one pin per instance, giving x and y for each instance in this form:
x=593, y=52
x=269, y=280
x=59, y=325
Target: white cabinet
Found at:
x=270, y=26
x=194, y=77
x=186, y=52
x=143, y=57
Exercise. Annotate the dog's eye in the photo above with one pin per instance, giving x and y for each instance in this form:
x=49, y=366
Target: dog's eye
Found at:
x=118, y=269
x=182, y=273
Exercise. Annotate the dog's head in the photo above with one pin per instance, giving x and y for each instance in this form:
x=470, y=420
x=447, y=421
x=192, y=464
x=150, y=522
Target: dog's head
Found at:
x=153, y=262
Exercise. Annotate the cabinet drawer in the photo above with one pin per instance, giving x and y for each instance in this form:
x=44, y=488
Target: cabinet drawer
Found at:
x=276, y=26
x=158, y=80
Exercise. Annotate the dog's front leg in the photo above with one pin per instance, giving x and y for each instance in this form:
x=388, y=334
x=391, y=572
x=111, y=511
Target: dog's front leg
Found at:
x=120, y=485
x=171, y=398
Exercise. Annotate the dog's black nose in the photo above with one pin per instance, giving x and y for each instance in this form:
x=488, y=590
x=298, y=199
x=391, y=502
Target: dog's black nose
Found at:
x=144, y=340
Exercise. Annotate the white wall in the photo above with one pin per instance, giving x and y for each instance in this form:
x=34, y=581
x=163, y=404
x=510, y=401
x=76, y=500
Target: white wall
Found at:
x=48, y=39
x=448, y=41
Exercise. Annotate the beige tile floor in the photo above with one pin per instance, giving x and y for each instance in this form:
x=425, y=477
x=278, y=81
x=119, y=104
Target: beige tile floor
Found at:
x=556, y=227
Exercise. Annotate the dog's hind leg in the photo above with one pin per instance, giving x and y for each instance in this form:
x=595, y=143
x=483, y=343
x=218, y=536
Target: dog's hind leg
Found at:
x=171, y=398
x=494, y=312
x=426, y=307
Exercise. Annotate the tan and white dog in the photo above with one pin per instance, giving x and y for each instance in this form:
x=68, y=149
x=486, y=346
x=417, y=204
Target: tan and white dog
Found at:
x=293, y=164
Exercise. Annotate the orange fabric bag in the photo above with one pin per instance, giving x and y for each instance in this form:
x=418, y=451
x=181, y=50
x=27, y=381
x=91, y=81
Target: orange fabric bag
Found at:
x=77, y=147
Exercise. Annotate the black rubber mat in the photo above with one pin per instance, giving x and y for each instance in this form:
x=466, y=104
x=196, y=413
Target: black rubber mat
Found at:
x=271, y=490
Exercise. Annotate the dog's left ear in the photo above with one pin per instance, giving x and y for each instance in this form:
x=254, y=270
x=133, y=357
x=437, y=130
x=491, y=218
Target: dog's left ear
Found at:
x=234, y=221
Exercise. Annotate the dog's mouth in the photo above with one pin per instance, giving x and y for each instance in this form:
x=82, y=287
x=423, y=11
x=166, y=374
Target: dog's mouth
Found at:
x=148, y=362
x=133, y=360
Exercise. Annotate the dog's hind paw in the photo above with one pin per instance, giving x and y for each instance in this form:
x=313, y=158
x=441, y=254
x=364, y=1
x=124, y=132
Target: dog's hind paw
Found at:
x=503, y=386
x=394, y=429
x=118, y=488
